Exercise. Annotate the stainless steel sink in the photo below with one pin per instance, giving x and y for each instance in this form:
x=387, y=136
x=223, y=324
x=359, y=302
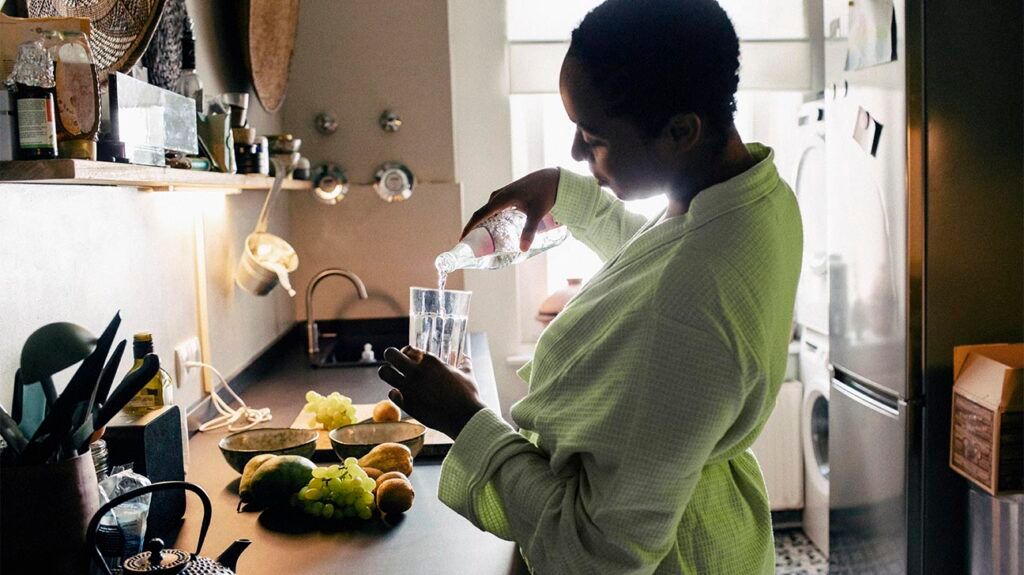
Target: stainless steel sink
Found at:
x=342, y=341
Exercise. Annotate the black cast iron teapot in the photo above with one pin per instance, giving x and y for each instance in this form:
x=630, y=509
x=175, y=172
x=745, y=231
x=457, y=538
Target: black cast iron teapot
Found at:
x=156, y=560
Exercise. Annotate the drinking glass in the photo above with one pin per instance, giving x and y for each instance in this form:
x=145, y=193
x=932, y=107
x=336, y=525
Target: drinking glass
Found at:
x=437, y=322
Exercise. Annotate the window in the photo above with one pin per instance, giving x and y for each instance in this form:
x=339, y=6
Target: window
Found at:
x=541, y=137
x=777, y=75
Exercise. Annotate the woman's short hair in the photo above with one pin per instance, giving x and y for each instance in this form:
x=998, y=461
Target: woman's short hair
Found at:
x=653, y=59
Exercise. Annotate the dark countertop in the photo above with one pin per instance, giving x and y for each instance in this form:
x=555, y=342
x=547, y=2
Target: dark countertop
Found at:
x=430, y=539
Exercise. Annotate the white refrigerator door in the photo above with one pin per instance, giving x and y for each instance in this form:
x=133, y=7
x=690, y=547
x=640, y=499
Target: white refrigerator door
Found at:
x=866, y=155
x=867, y=482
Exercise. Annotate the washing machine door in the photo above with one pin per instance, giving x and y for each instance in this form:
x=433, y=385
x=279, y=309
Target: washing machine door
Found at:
x=815, y=434
x=809, y=186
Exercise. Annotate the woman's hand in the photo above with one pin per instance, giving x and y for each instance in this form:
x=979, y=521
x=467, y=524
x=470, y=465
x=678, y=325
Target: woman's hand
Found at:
x=533, y=194
x=439, y=396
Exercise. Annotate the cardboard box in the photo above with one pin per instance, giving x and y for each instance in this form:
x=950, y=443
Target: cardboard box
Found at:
x=987, y=435
x=14, y=31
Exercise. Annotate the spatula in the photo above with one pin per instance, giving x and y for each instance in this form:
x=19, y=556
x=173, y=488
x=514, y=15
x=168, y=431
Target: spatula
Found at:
x=48, y=350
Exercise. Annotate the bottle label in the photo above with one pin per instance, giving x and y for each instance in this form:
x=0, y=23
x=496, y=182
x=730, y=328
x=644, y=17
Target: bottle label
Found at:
x=144, y=401
x=36, y=128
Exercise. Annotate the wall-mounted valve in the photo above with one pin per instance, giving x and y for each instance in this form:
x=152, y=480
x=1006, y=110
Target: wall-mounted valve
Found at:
x=394, y=182
x=330, y=184
x=390, y=121
x=325, y=123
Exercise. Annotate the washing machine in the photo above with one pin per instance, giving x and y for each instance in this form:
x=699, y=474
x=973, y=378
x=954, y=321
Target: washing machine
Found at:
x=808, y=179
x=814, y=435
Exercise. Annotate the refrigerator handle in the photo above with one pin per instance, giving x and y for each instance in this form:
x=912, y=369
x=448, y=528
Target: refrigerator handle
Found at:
x=867, y=401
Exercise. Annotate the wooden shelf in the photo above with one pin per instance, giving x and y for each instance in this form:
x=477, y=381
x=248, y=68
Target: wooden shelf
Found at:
x=85, y=172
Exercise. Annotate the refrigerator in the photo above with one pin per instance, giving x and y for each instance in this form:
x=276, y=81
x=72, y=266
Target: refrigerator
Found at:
x=925, y=184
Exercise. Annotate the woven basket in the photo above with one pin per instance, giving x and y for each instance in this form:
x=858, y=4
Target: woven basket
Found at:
x=121, y=29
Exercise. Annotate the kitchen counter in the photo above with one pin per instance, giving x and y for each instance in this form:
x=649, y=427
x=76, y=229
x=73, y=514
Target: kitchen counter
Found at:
x=429, y=539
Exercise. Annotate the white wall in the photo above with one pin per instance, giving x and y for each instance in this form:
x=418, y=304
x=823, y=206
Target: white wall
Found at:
x=483, y=163
x=80, y=253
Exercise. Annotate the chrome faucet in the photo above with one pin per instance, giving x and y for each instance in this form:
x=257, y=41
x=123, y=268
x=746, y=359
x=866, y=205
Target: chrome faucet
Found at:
x=312, y=331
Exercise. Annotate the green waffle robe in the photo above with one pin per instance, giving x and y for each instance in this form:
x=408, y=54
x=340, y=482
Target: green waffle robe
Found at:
x=646, y=392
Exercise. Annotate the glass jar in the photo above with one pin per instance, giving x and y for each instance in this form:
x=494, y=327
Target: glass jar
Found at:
x=77, y=96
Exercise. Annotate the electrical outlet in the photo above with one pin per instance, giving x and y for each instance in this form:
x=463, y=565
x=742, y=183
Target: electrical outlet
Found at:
x=185, y=352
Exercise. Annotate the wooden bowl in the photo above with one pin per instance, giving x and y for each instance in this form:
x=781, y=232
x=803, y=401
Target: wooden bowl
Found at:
x=358, y=439
x=239, y=448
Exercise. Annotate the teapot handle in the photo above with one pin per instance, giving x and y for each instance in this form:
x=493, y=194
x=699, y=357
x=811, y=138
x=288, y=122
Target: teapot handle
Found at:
x=94, y=524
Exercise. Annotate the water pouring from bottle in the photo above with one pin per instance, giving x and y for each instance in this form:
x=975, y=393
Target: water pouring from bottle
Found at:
x=438, y=318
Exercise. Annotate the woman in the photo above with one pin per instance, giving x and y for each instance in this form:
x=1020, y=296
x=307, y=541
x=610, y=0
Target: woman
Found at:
x=648, y=389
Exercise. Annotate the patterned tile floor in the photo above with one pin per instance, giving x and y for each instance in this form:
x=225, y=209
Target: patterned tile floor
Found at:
x=796, y=555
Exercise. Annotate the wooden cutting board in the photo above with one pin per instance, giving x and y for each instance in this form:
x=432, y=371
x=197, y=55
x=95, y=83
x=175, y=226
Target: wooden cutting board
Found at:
x=270, y=27
x=435, y=443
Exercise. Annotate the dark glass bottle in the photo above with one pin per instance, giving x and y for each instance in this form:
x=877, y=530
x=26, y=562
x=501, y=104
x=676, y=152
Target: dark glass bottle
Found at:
x=33, y=87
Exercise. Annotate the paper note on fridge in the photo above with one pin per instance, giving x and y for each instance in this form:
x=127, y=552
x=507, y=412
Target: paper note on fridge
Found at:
x=872, y=37
x=867, y=132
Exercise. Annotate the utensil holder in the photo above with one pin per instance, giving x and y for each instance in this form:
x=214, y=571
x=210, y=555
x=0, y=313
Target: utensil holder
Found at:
x=44, y=513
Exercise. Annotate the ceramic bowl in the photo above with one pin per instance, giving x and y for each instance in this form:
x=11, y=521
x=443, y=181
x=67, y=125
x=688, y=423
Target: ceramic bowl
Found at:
x=358, y=439
x=239, y=448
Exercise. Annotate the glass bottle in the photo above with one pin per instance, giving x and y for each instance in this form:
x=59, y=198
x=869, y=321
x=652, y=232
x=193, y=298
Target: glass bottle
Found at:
x=77, y=91
x=32, y=83
x=494, y=243
x=189, y=84
x=160, y=390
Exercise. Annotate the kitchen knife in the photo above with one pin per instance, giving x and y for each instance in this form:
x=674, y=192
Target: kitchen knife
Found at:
x=107, y=377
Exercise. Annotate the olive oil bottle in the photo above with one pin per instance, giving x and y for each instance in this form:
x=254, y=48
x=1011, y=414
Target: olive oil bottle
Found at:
x=160, y=390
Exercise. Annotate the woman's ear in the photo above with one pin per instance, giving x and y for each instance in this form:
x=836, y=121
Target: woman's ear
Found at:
x=685, y=130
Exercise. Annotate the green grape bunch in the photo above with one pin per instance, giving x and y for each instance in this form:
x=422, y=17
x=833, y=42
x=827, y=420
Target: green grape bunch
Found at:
x=332, y=411
x=337, y=492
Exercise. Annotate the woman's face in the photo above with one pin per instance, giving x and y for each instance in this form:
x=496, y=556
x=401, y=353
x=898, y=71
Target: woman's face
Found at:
x=621, y=157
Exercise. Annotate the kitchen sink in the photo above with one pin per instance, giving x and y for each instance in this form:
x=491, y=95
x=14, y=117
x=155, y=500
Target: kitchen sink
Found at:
x=342, y=341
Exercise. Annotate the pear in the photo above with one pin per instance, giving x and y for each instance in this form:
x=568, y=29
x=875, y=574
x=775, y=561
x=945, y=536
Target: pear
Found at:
x=245, y=485
x=388, y=457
